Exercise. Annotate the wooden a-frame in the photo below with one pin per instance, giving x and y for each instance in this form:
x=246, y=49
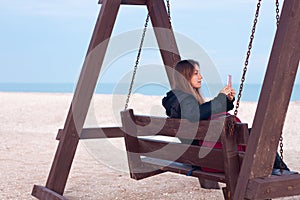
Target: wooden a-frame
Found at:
x=254, y=181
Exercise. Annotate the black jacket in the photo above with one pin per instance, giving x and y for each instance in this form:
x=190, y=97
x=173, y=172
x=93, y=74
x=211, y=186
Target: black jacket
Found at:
x=179, y=104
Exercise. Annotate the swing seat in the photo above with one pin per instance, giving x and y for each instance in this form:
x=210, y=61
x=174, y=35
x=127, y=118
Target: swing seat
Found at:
x=148, y=155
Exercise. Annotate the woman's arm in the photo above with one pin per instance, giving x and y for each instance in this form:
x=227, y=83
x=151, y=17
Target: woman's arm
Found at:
x=219, y=104
x=191, y=110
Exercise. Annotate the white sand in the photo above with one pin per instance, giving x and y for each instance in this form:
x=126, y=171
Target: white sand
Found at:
x=29, y=124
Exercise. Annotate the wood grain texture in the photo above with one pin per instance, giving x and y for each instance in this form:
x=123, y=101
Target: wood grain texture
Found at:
x=274, y=98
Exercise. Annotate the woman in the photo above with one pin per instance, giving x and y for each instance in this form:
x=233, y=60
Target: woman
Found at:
x=185, y=100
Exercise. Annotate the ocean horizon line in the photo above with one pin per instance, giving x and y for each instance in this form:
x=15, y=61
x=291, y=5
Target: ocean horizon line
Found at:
x=250, y=93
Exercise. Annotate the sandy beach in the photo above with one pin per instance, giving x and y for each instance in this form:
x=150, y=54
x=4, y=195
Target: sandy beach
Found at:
x=29, y=125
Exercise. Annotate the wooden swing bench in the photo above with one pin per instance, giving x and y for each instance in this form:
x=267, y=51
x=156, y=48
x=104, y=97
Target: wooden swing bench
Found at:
x=148, y=156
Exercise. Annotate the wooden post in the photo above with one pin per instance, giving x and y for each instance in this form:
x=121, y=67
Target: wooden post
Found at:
x=69, y=136
x=231, y=159
x=274, y=99
x=132, y=144
x=164, y=35
x=81, y=100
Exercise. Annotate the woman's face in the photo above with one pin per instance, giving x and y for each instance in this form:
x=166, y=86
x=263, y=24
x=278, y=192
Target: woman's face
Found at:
x=196, y=78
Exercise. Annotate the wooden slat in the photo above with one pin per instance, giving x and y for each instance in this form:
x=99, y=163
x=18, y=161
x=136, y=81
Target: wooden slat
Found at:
x=97, y=133
x=44, y=193
x=107, y=132
x=81, y=100
x=273, y=187
x=210, y=130
x=178, y=127
x=179, y=168
x=274, y=98
x=183, y=153
x=129, y=2
x=169, y=129
x=174, y=128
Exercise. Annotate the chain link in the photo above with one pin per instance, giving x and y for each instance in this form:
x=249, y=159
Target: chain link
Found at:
x=169, y=12
x=277, y=12
x=281, y=153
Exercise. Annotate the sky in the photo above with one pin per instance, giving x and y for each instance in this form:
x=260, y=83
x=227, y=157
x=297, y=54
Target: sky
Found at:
x=46, y=41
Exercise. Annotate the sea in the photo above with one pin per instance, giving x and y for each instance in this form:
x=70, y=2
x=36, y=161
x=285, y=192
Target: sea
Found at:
x=250, y=92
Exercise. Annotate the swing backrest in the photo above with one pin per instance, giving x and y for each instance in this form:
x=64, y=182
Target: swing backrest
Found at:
x=148, y=156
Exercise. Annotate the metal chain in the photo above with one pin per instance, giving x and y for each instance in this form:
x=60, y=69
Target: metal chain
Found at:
x=247, y=58
x=140, y=50
x=281, y=138
x=232, y=122
x=136, y=62
x=281, y=154
x=277, y=12
x=169, y=12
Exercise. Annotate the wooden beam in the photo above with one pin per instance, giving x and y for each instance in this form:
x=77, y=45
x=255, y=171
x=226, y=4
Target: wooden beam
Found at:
x=179, y=168
x=63, y=158
x=129, y=2
x=81, y=100
x=231, y=161
x=198, y=130
x=273, y=187
x=44, y=193
x=96, y=133
x=164, y=35
x=274, y=98
x=182, y=153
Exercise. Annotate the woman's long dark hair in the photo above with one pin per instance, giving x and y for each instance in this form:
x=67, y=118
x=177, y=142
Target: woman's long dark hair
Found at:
x=183, y=73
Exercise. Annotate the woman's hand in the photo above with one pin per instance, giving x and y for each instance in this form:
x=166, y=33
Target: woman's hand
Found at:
x=229, y=92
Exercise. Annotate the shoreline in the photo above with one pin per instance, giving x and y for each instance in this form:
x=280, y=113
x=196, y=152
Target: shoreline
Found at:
x=102, y=94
